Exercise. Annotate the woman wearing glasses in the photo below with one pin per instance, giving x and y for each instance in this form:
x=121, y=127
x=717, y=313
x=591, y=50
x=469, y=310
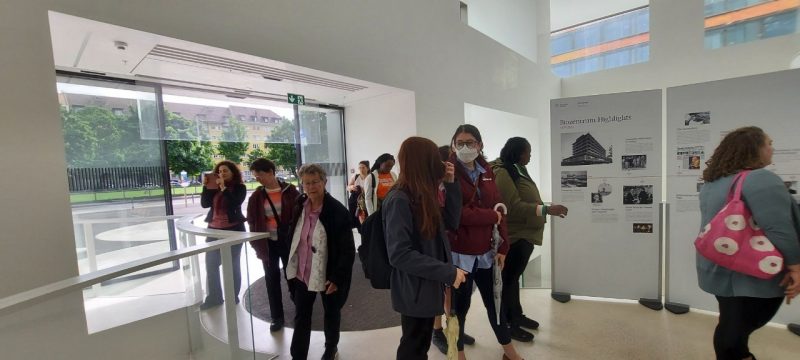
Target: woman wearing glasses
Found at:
x=471, y=244
x=320, y=261
x=224, y=195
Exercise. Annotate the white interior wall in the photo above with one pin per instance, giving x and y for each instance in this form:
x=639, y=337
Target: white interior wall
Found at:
x=507, y=21
x=416, y=44
x=378, y=125
x=678, y=55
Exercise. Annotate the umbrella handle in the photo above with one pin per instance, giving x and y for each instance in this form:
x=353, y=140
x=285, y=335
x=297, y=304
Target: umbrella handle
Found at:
x=501, y=206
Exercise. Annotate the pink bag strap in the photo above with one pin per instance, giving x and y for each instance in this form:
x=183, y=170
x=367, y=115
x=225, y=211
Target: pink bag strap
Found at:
x=736, y=186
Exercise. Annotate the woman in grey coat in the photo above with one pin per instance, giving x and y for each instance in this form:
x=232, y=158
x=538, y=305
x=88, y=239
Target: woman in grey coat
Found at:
x=747, y=303
x=418, y=249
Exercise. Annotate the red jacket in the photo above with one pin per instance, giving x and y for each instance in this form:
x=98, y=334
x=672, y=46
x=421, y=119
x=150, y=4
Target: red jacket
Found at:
x=474, y=234
x=257, y=216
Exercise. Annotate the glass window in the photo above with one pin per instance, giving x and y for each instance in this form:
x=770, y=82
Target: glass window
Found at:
x=605, y=31
x=561, y=44
x=733, y=34
x=754, y=22
x=617, y=59
x=781, y=24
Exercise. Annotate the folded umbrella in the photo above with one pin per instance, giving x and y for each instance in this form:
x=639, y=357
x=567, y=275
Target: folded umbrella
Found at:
x=497, y=290
x=451, y=326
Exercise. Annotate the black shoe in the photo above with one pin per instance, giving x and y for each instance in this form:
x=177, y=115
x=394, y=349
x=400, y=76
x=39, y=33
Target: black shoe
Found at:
x=439, y=340
x=276, y=325
x=527, y=322
x=209, y=305
x=521, y=335
x=468, y=340
x=330, y=353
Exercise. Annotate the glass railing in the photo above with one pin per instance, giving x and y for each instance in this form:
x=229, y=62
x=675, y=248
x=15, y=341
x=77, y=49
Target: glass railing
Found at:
x=148, y=305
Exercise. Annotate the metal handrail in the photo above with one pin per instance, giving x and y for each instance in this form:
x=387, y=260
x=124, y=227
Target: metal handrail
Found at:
x=34, y=296
x=128, y=220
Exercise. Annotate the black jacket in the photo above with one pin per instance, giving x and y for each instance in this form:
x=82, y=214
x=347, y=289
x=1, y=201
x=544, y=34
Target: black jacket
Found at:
x=421, y=266
x=232, y=197
x=341, y=247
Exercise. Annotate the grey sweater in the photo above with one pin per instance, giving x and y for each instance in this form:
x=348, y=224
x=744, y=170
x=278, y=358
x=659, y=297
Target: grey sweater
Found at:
x=421, y=266
x=774, y=211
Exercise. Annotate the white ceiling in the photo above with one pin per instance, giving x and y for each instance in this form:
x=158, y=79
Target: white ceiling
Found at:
x=566, y=13
x=82, y=44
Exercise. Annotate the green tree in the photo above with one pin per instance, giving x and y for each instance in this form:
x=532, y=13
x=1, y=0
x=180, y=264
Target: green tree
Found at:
x=136, y=148
x=186, y=148
x=80, y=141
x=253, y=155
x=282, y=148
x=233, y=145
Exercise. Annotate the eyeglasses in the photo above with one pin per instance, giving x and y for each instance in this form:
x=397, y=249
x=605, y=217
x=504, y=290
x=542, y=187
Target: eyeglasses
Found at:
x=312, y=183
x=470, y=144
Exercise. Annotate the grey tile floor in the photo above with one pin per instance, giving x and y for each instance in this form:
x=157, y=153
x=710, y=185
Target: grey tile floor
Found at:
x=580, y=329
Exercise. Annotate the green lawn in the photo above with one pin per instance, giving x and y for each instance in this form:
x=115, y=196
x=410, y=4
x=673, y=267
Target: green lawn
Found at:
x=133, y=194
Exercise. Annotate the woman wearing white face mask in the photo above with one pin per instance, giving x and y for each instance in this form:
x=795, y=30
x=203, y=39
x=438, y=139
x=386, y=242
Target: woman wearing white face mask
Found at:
x=471, y=243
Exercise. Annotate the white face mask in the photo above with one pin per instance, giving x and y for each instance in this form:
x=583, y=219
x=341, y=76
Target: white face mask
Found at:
x=466, y=154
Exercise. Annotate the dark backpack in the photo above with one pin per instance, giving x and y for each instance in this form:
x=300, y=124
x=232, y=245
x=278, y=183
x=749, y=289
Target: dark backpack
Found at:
x=372, y=252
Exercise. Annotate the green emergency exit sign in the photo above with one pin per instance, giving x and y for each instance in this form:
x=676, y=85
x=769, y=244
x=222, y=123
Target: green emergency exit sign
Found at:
x=296, y=99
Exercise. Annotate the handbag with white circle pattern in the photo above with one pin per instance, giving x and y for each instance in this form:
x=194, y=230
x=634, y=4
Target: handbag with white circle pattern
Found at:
x=734, y=241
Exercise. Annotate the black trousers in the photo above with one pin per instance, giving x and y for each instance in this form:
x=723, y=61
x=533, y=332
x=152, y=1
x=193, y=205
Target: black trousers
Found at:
x=516, y=262
x=278, y=253
x=304, y=305
x=463, y=297
x=213, y=262
x=739, y=317
x=416, y=339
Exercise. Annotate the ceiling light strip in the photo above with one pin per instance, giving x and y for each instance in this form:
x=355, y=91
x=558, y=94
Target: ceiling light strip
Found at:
x=193, y=56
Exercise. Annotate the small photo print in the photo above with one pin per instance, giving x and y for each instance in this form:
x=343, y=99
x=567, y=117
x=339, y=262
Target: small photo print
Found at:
x=694, y=162
x=586, y=149
x=597, y=198
x=642, y=228
x=604, y=188
x=697, y=118
x=574, y=179
x=637, y=195
x=634, y=162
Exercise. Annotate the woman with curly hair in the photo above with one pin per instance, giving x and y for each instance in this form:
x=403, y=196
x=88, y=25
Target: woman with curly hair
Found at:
x=747, y=303
x=223, y=196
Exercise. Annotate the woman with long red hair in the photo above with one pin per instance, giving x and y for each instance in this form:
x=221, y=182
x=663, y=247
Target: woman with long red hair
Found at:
x=414, y=226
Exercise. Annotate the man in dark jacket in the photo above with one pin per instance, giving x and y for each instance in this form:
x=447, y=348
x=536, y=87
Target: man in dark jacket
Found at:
x=270, y=210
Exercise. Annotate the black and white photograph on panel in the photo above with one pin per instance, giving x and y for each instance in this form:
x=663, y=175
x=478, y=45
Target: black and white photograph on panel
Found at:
x=634, y=162
x=637, y=194
x=604, y=189
x=586, y=148
x=697, y=118
x=574, y=179
x=597, y=198
x=642, y=228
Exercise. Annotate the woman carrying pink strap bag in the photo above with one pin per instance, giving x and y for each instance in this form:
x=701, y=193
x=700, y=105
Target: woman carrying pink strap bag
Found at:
x=746, y=302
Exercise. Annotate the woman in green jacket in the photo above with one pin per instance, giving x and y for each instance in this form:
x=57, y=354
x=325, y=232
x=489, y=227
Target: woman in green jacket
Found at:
x=526, y=218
